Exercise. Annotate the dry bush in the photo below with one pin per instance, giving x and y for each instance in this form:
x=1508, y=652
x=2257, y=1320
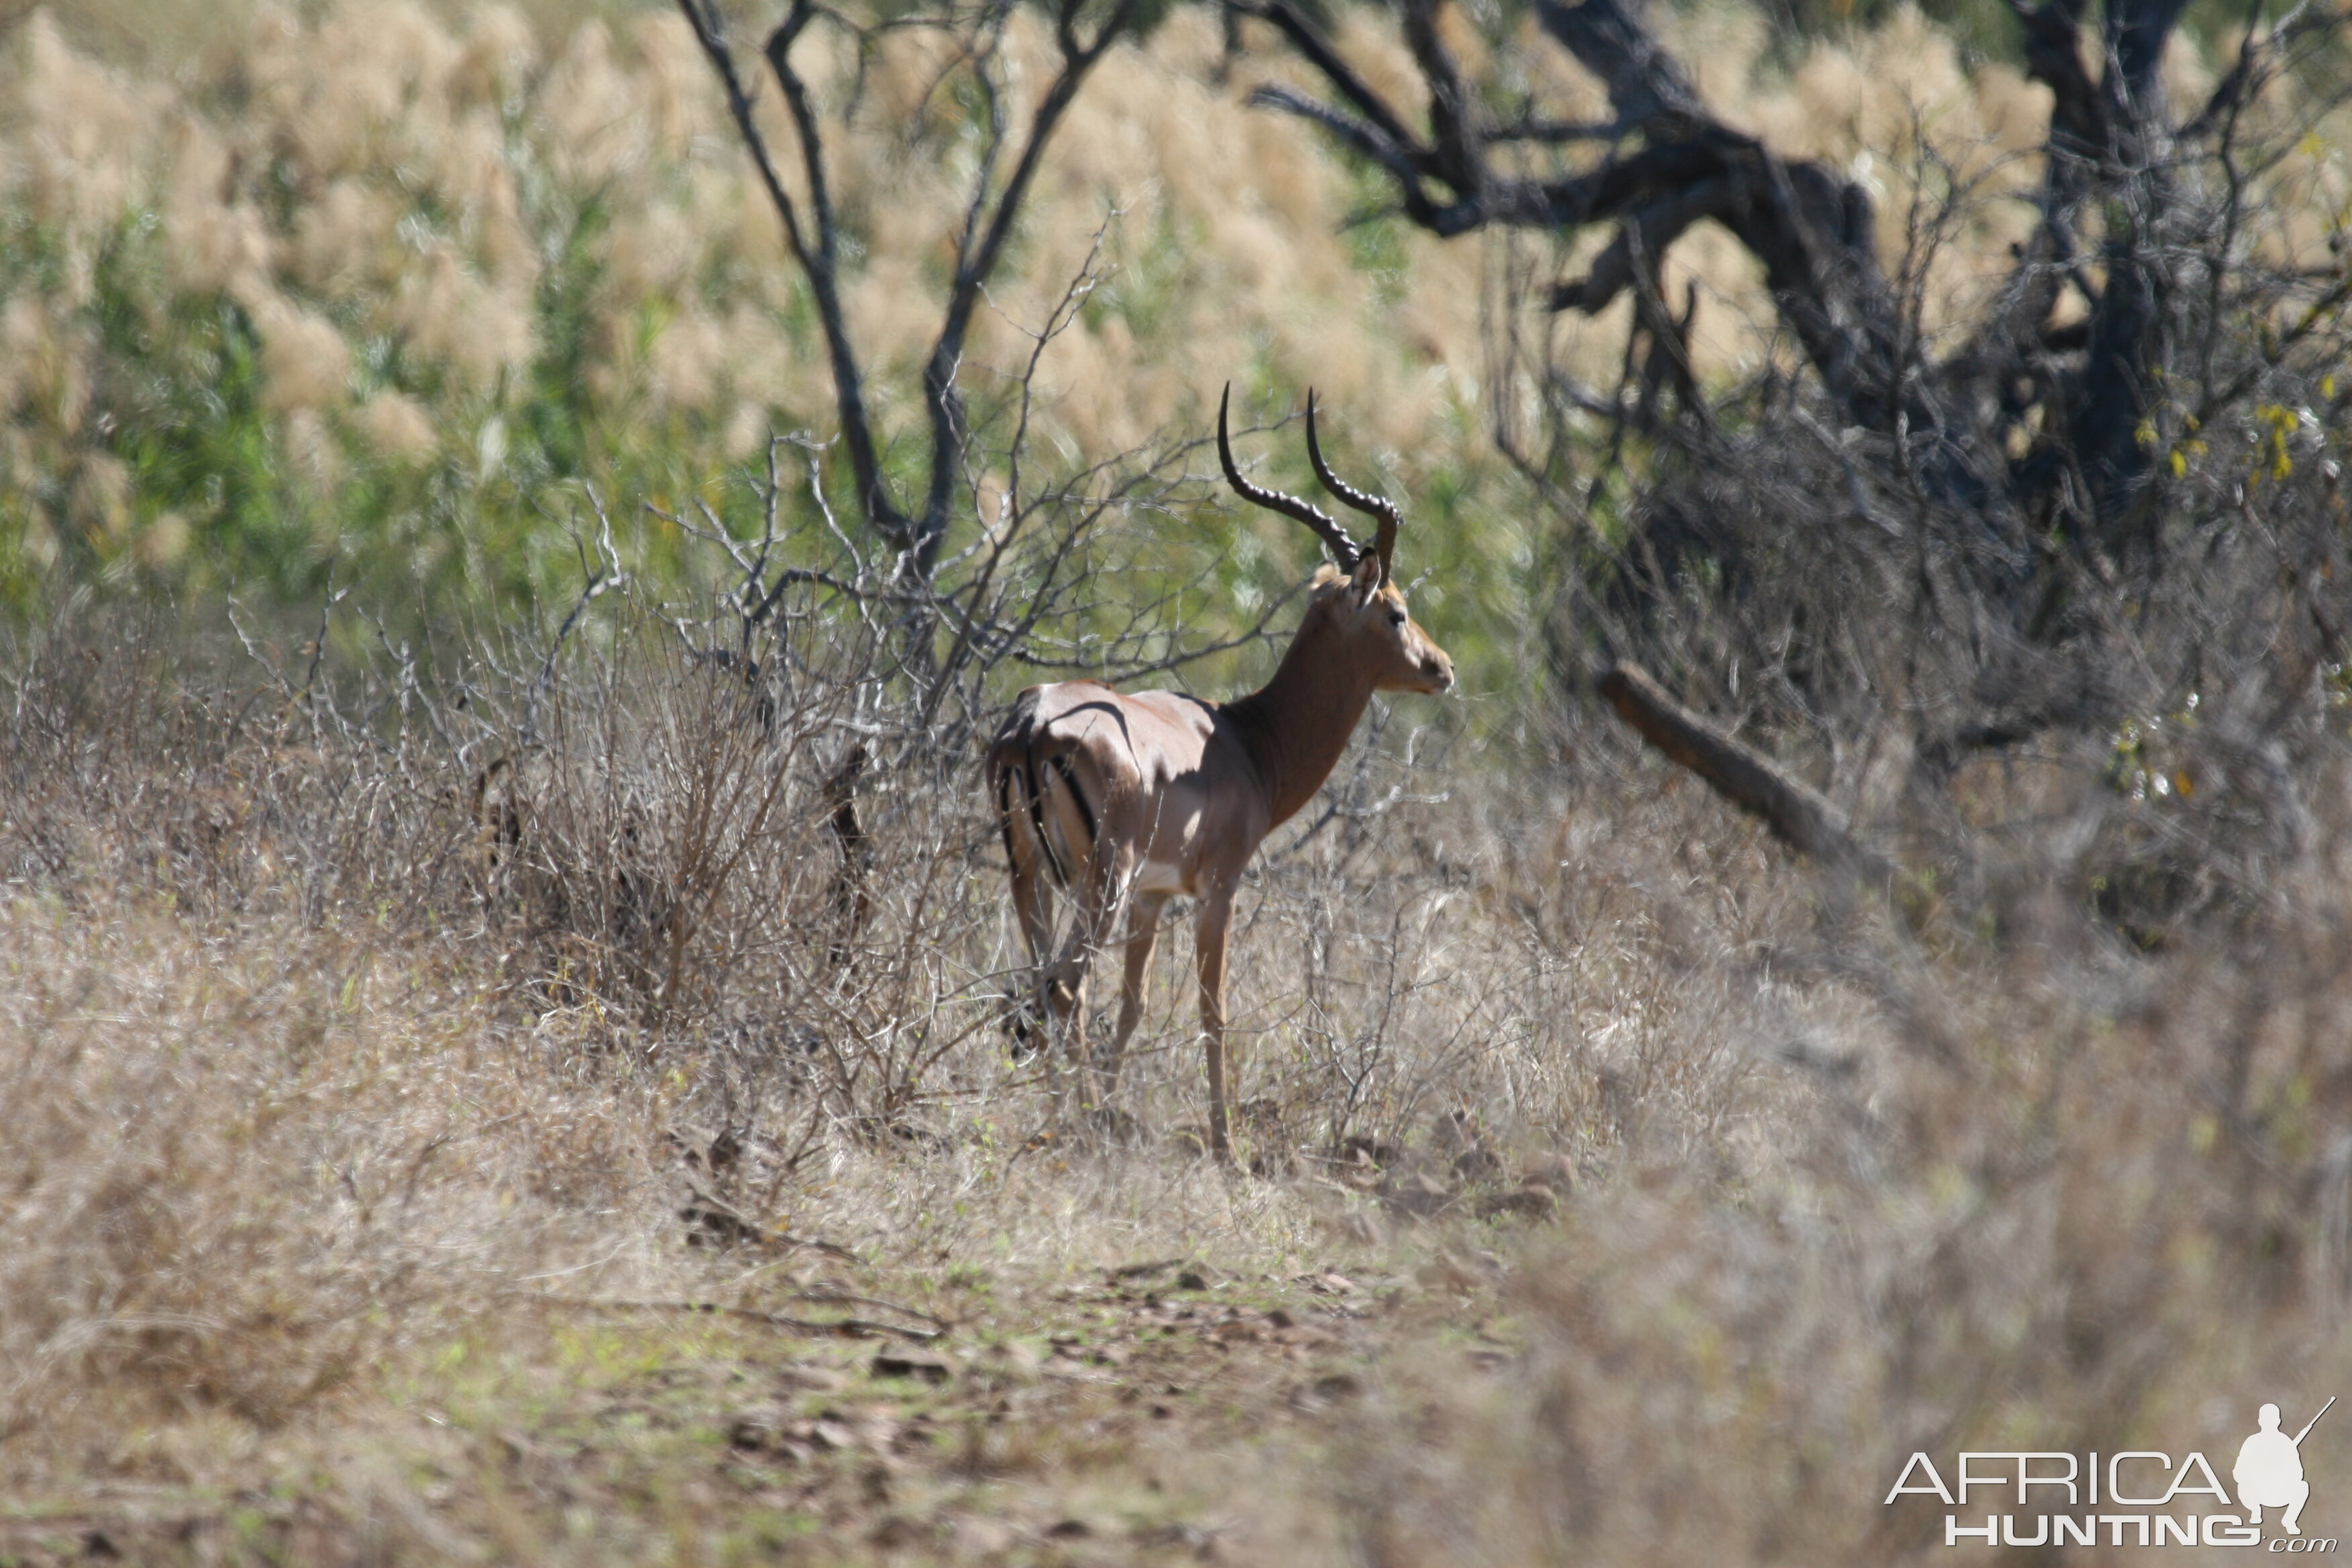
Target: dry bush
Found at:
x=2053, y=1196
x=313, y=1066
x=2054, y=1163
x=307, y=1072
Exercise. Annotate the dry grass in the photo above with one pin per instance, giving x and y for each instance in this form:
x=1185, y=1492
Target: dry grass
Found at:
x=1617, y=1192
x=341, y=1136
x=312, y=1117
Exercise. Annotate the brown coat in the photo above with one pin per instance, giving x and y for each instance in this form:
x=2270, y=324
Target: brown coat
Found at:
x=1120, y=799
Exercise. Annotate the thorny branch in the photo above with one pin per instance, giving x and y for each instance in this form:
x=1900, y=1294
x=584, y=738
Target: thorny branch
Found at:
x=598, y=579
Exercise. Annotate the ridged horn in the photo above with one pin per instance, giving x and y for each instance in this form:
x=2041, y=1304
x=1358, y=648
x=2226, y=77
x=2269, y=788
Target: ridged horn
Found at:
x=1377, y=507
x=1327, y=526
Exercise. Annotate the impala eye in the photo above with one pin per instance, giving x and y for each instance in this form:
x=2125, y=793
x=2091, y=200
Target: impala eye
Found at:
x=1396, y=617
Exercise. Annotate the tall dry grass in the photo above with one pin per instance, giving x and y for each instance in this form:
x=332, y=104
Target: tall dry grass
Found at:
x=316, y=1066
x=324, y=1040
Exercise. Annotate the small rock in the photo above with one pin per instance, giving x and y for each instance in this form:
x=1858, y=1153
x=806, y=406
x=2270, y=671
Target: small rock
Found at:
x=1556, y=1172
x=813, y=1379
x=1476, y=1165
x=761, y=1434
x=1189, y=1537
x=1533, y=1203
x=1367, y=1152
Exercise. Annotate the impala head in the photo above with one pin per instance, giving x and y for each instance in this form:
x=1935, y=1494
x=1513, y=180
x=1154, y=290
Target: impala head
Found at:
x=1359, y=599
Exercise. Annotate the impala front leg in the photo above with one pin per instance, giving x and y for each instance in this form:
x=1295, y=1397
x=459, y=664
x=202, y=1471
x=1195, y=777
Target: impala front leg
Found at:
x=1216, y=923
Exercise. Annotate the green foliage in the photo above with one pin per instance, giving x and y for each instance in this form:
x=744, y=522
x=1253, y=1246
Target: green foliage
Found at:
x=445, y=486
x=188, y=421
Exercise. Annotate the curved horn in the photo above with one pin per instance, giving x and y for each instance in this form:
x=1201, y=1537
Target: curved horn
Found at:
x=1380, y=507
x=1327, y=528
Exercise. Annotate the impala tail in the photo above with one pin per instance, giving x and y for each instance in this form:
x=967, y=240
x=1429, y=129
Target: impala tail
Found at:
x=1047, y=821
x=1049, y=825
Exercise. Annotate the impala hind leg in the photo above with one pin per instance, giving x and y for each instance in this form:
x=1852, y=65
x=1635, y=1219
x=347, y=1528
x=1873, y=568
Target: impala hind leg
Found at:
x=1062, y=999
x=1142, y=935
x=1101, y=900
x=1031, y=1022
x=1033, y=1016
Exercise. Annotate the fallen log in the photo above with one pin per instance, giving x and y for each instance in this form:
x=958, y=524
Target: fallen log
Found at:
x=1795, y=813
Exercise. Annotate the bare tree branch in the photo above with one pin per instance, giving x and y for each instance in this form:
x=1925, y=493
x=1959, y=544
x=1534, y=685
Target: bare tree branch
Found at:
x=819, y=256
x=992, y=216
x=979, y=249
x=1797, y=814
x=1671, y=163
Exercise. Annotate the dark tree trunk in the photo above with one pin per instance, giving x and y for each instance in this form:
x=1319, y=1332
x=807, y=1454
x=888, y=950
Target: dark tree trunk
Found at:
x=1668, y=164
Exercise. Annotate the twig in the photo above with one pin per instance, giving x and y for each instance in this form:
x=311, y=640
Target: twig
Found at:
x=843, y=1327
x=598, y=582
x=751, y=1228
x=318, y=656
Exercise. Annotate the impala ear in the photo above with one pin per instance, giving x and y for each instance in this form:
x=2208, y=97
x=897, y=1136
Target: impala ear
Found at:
x=1366, y=580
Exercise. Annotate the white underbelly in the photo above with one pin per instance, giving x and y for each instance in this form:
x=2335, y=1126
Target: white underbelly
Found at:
x=1159, y=877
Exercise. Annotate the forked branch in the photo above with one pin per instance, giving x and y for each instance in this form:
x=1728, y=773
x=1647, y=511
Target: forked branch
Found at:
x=815, y=244
x=992, y=216
x=1667, y=163
x=1670, y=164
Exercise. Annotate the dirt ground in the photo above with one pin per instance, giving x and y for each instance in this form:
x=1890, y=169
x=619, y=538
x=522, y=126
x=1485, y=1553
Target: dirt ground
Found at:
x=1167, y=1410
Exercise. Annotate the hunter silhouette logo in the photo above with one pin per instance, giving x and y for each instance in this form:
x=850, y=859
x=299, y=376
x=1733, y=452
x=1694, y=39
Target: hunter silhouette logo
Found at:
x=2269, y=1472
x=2135, y=1497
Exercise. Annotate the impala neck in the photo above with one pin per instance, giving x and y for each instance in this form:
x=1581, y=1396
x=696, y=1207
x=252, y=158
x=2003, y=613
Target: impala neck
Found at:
x=1297, y=725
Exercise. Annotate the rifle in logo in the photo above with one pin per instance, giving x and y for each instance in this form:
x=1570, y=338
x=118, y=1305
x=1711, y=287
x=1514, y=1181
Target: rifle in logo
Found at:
x=2269, y=1472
